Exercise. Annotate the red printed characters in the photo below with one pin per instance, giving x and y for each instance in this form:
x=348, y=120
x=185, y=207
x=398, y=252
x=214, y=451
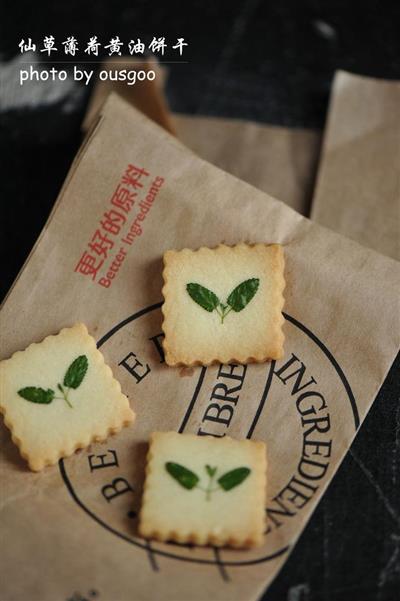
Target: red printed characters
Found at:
x=107, y=245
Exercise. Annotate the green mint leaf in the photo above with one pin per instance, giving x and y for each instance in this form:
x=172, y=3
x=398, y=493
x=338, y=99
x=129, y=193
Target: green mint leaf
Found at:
x=210, y=470
x=233, y=478
x=185, y=477
x=60, y=388
x=76, y=372
x=37, y=395
x=242, y=294
x=202, y=296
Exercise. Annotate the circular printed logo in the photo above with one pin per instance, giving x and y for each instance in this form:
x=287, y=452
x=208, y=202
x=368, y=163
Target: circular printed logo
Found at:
x=297, y=405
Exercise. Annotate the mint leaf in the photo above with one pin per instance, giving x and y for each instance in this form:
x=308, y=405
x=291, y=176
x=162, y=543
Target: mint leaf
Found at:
x=242, y=294
x=202, y=296
x=233, y=478
x=37, y=395
x=185, y=477
x=210, y=470
x=76, y=372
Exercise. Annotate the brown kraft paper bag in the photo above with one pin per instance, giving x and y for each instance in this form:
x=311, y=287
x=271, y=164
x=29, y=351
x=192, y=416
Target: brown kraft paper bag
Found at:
x=278, y=160
x=147, y=95
x=73, y=528
x=358, y=185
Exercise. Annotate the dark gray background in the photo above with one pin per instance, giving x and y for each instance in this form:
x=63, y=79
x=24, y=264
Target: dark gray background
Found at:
x=266, y=61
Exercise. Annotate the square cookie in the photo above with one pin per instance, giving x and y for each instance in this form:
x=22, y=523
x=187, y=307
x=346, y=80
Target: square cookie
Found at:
x=58, y=396
x=223, y=305
x=204, y=490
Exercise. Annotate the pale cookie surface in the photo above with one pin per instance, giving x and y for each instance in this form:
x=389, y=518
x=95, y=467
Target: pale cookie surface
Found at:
x=204, y=490
x=58, y=395
x=223, y=305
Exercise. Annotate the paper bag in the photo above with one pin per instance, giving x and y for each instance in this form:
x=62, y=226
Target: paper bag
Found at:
x=73, y=528
x=358, y=185
x=147, y=95
x=276, y=160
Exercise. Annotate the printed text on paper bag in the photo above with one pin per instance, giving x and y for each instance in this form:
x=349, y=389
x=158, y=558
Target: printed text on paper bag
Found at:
x=109, y=245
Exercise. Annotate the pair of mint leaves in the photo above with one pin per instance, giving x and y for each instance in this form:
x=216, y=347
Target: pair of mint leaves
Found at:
x=238, y=299
x=189, y=480
x=72, y=380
